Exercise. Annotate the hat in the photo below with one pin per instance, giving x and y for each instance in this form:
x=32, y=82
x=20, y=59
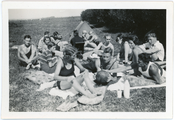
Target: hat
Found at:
x=101, y=78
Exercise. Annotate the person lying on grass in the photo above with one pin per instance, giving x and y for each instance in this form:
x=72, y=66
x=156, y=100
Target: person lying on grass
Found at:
x=27, y=53
x=147, y=69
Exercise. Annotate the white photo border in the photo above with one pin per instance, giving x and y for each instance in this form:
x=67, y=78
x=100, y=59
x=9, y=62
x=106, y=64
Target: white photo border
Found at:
x=6, y=5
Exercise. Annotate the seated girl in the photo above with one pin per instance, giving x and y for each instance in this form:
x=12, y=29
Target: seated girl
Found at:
x=128, y=44
x=91, y=41
x=48, y=59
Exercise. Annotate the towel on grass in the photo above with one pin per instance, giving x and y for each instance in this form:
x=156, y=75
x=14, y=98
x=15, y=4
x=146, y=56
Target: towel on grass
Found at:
x=92, y=101
x=63, y=93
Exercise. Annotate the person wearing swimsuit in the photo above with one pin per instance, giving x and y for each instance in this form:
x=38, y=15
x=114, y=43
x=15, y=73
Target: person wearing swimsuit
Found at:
x=106, y=62
x=27, y=53
x=101, y=46
x=64, y=73
x=150, y=69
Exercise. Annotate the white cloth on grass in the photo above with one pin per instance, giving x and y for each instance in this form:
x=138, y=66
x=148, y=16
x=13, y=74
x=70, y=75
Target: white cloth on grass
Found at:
x=63, y=93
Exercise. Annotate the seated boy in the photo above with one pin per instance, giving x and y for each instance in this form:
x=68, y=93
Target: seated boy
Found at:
x=27, y=53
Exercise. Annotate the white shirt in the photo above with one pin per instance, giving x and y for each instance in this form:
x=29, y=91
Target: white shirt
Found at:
x=160, y=53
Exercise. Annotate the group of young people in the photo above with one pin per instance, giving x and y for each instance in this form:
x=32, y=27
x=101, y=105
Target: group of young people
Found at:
x=61, y=58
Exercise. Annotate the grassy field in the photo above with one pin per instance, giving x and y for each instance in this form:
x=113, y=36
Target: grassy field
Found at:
x=25, y=98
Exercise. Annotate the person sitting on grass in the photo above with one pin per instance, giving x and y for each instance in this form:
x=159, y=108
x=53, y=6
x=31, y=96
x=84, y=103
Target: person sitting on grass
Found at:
x=126, y=53
x=101, y=46
x=56, y=37
x=156, y=49
x=106, y=61
x=41, y=41
x=76, y=39
x=44, y=46
x=119, y=41
x=146, y=68
x=48, y=59
x=27, y=53
x=90, y=42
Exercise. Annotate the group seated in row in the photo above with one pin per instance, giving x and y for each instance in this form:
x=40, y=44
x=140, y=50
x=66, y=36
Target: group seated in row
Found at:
x=63, y=64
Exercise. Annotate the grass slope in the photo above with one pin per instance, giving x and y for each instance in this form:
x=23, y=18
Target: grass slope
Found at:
x=25, y=98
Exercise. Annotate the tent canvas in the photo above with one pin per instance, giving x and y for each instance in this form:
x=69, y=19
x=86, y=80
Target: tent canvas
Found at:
x=82, y=26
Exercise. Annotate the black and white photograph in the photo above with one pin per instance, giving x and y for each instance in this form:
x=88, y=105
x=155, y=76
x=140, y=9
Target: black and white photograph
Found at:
x=105, y=61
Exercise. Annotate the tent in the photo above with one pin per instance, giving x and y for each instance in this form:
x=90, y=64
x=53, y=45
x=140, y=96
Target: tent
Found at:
x=82, y=26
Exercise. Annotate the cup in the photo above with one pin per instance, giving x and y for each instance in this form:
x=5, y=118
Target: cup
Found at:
x=119, y=93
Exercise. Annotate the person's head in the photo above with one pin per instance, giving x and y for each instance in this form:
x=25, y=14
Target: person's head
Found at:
x=57, y=35
x=50, y=45
x=119, y=38
x=108, y=38
x=90, y=32
x=84, y=33
x=75, y=33
x=107, y=55
x=144, y=59
x=27, y=40
x=102, y=78
x=151, y=38
x=69, y=53
x=46, y=33
x=46, y=40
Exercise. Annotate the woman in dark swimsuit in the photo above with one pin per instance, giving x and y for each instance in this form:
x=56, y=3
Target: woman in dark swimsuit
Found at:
x=64, y=73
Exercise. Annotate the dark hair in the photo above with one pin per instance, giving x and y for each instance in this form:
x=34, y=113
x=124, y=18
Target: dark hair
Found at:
x=120, y=35
x=145, y=57
x=46, y=32
x=134, y=38
x=75, y=33
x=151, y=35
x=27, y=36
x=101, y=78
x=46, y=38
x=68, y=51
x=108, y=50
x=55, y=33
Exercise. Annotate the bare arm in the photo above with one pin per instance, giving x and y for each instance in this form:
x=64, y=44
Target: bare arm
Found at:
x=151, y=51
x=120, y=69
x=99, y=46
x=21, y=53
x=34, y=54
x=126, y=49
x=97, y=64
x=82, y=69
x=57, y=72
x=154, y=73
x=93, y=37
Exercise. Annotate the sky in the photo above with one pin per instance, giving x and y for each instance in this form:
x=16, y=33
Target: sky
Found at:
x=16, y=14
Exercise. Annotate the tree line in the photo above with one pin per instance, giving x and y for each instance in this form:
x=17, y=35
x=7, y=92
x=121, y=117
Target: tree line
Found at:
x=135, y=21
